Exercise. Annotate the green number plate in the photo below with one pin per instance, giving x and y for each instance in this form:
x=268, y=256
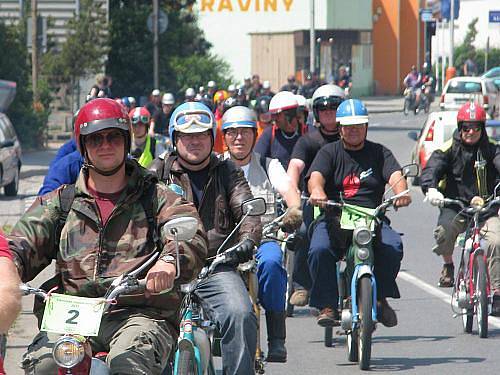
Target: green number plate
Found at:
x=73, y=315
x=356, y=216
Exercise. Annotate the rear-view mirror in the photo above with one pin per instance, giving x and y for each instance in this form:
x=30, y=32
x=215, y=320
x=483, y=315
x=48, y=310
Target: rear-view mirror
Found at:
x=410, y=170
x=254, y=207
x=182, y=228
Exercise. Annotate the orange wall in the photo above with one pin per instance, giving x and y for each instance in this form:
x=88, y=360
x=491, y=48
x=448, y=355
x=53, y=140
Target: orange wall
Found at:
x=385, y=41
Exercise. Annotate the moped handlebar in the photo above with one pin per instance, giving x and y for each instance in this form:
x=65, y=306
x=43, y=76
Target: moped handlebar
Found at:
x=472, y=209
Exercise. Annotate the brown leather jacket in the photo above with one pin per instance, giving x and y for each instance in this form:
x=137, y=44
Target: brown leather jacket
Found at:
x=220, y=205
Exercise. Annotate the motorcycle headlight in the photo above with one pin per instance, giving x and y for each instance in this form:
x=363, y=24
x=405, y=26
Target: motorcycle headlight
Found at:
x=362, y=236
x=363, y=253
x=68, y=352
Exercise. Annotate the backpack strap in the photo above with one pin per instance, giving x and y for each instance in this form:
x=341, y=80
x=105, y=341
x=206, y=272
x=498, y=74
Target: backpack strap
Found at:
x=164, y=175
x=147, y=204
x=66, y=198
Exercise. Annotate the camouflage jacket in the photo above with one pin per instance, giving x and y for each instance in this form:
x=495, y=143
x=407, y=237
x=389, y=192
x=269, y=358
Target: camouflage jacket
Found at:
x=220, y=205
x=90, y=255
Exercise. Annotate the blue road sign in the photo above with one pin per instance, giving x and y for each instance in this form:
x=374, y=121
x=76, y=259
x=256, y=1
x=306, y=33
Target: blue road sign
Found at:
x=494, y=16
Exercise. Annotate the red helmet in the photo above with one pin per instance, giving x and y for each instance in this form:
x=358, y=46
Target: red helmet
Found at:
x=471, y=112
x=100, y=114
x=139, y=115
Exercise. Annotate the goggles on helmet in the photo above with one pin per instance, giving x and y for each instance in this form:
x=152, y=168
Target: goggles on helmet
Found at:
x=136, y=119
x=184, y=120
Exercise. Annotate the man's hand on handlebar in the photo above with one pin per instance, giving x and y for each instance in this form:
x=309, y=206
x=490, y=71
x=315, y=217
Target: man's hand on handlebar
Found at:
x=160, y=278
x=292, y=219
x=242, y=253
x=402, y=201
x=318, y=197
x=435, y=197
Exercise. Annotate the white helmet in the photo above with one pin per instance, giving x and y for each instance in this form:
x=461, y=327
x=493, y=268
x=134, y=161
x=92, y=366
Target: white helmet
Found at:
x=266, y=85
x=231, y=88
x=190, y=93
x=301, y=100
x=283, y=101
x=327, y=96
x=239, y=117
x=211, y=84
x=168, y=98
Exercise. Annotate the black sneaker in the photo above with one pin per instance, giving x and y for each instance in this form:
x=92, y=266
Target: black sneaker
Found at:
x=386, y=314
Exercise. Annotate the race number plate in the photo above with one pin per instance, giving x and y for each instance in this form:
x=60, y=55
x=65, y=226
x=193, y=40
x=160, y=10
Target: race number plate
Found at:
x=356, y=216
x=73, y=315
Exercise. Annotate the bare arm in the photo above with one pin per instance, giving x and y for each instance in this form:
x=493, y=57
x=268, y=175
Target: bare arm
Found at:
x=295, y=168
x=398, y=184
x=10, y=297
x=316, y=186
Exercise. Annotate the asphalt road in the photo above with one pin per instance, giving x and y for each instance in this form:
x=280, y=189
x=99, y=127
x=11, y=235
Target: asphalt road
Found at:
x=427, y=339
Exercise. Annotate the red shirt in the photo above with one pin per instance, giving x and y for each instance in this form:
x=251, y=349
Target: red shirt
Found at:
x=106, y=202
x=4, y=249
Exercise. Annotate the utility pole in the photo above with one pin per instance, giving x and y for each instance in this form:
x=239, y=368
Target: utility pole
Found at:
x=156, y=77
x=452, y=29
x=34, y=52
x=312, y=39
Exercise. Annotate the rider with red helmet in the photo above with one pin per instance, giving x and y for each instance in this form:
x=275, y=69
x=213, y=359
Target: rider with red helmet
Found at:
x=107, y=224
x=467, y=165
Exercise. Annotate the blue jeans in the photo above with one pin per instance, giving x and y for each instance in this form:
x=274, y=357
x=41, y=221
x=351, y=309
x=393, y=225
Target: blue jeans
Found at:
x=324, y=254
x=300, y=274
x=225, y=299
x=271, y=276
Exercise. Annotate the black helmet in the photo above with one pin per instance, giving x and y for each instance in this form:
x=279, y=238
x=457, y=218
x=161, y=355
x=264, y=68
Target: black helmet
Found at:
x=229, y=103
x=262, y=104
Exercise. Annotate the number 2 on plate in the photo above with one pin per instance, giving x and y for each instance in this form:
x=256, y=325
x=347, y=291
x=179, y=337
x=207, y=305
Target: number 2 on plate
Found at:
x=72, y=319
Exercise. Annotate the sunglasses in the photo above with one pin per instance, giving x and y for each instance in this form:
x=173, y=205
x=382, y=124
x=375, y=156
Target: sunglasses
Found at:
x=474, y=127
x=96, y=140
x=136, y=119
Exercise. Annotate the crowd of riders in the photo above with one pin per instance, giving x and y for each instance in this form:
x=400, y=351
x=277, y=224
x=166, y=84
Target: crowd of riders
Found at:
x=129, y=169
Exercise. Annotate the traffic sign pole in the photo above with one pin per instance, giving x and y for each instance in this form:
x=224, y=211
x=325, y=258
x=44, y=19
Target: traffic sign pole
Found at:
x=155, y=46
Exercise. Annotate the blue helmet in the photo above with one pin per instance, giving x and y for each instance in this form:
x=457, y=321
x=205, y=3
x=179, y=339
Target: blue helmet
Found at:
x=192, y=117
x=352, y=112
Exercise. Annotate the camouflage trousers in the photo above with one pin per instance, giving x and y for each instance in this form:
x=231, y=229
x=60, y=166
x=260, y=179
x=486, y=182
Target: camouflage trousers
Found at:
x=137, y=344
x=450, y=226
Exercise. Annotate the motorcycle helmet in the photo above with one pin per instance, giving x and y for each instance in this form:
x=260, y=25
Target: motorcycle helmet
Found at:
x=283, y=101
x=191, y=117
x=229, y=103
x=139, y=115
x=168, y=99
x=471, y=112
x=352, y=112
x=96, y=115
x=239, y=117
x=220, y=96
x=326, y=97
x=262, y=104
x=189, y=94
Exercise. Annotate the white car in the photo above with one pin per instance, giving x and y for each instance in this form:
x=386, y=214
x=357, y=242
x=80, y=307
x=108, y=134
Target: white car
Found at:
x=460, y=90
x=437, y=129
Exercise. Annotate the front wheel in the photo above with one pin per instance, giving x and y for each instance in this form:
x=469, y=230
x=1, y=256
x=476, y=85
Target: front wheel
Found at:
x=365, y=303
x=352, y=346
x=12, y=188
x=406, y=108
x=186, y=361
x=480, y=284
x=467, y=315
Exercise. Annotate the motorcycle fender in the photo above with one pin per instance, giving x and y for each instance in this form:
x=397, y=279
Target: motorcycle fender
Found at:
x=364, y=269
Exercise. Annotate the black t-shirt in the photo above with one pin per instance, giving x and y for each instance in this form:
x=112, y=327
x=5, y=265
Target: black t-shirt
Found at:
x=308, y=146
x=161, y=123
x=360, y=175
x=278, y=148
x=198, y=181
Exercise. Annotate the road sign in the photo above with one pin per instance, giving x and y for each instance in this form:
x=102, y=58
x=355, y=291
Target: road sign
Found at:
x=426, y=15
x=494, y=16
x=162, y=22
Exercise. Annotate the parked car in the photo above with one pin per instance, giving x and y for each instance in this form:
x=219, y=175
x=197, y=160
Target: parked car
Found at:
x=437, y=129
x=10, y=148
x=459, y=90
x=493, y=129
x=493, y=75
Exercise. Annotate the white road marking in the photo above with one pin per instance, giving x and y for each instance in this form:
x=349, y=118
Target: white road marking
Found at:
x=436, y=292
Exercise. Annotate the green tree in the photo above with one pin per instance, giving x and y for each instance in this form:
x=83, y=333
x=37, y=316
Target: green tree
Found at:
x=84, y=50
x=184, y=54
x=15, y=66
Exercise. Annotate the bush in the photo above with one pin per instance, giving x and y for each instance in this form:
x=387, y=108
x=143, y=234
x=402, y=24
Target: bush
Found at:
x=30, y=121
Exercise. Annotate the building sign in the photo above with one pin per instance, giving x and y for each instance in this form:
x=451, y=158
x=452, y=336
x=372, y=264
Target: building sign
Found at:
x=426, y=15
x=245, y=5
x=494, y=16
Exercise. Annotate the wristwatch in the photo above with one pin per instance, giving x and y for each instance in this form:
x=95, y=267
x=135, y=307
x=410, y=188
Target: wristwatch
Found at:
x=168, y=259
